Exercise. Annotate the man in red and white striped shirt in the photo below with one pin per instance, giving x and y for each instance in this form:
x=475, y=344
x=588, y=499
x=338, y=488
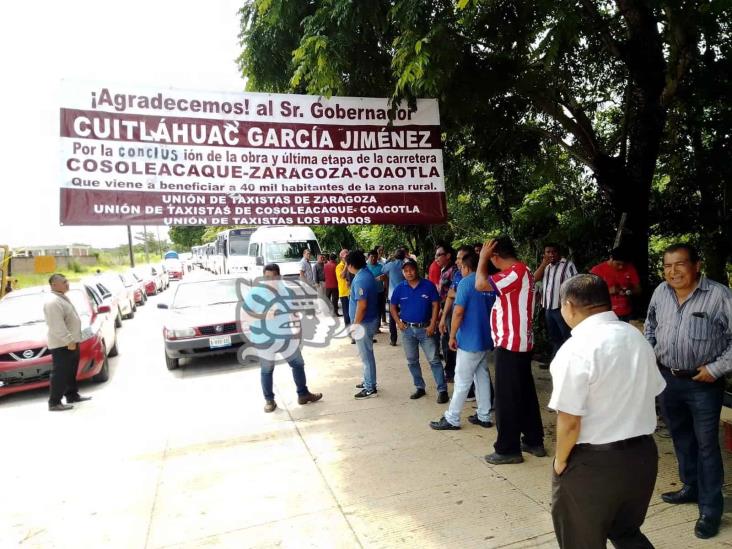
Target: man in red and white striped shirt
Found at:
x=517, y=406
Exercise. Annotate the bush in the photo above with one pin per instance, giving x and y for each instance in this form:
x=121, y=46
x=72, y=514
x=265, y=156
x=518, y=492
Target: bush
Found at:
x=75, y=267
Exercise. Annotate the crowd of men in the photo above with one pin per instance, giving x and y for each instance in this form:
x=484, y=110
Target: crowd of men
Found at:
x=476, y=308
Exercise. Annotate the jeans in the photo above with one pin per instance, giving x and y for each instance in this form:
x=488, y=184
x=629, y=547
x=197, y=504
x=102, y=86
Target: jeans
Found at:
x=556, y=328
x=344, y=306
x=448, y=353
x=412, y=340
x=297, y=364
x=365, y=347
x=470, y=367
x=691, y=410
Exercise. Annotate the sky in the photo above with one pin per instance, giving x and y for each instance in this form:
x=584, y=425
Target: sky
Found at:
x=188, y=44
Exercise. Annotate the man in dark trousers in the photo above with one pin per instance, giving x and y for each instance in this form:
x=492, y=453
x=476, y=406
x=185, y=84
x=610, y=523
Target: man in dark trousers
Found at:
x=517, y=406
x=64, y=335
x=445, y=256
x=414, y=306
x=331, y=282
x=689, y=324
x=553, y=271
x=605, y=383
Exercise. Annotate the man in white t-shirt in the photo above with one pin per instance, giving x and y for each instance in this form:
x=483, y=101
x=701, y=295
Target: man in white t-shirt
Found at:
x=605, y=383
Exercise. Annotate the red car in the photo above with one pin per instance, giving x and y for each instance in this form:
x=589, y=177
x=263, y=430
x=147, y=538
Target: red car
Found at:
x=25, y=361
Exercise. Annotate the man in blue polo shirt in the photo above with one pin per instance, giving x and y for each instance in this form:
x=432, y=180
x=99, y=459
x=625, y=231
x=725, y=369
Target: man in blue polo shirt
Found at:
x=363, y=308
x=415, y=306
x=470, y=337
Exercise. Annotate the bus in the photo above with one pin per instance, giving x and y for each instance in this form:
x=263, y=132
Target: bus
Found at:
x=245, y=251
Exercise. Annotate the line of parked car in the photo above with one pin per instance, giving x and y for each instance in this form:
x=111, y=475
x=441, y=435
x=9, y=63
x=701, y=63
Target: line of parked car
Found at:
x=103, y=301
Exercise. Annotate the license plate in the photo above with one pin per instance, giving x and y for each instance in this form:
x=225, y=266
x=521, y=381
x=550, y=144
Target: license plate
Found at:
x=219, y=341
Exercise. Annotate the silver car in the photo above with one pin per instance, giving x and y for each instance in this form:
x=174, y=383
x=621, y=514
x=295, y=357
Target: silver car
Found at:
x=201, y=320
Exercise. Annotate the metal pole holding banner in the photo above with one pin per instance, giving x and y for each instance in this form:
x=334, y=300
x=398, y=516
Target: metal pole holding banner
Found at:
x=621, y=228
x=129, y=245
x=144, y=238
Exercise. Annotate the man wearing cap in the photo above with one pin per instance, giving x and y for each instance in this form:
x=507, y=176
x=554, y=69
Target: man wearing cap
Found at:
x=605, y=383
x=415, y=305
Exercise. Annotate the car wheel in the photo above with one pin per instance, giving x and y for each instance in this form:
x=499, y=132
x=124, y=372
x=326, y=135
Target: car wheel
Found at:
x=114, y=351
x=103, y=374
x=118, y=320
x=171, y=363
x=131, y=315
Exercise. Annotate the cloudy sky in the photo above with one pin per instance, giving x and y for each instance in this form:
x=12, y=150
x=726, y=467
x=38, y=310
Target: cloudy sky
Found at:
x=188, y=44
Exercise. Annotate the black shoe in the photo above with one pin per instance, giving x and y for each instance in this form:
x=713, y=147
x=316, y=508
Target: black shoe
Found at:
x=706, y=527
x=475, y=421
x=419, y=393
x=360, y=385
x=503, y=459
x=687, y=494
x=353, y=342
x=443, y=398
x=59, y=407
x=538, y=451
x=77, y=398
x=443, y=425
x=269, y=406
x=363, y=393
x=393, y=343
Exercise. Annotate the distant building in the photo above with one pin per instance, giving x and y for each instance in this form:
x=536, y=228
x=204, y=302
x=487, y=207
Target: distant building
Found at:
x=73, y=250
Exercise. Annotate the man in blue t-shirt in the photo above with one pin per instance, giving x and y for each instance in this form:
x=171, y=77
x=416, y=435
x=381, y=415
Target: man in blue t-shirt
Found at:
x=363, y=308
x=471, y=338
x=377, y=269
x=392, y=274
x=415, y=306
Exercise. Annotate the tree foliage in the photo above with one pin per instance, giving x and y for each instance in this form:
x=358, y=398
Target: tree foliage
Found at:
x=558, y=115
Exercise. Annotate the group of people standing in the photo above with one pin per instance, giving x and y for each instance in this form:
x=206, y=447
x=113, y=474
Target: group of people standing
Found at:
x=477, y=307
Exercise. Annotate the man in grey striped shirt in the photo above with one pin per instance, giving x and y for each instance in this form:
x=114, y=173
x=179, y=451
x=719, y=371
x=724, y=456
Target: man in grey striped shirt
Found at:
x=552, y=271
x=689, y=324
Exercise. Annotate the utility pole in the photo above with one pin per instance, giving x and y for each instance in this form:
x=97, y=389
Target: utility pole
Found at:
x=129, y=244
x=144, y=235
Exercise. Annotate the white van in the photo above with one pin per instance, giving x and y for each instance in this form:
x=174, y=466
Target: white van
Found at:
x=245, y=252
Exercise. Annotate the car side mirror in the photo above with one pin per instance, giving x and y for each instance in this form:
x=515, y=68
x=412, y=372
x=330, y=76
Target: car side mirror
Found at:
x=104, y=309
x=260, y=261
x=162, y=305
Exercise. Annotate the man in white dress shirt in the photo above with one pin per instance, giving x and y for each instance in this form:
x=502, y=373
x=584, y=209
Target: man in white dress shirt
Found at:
x=605, y=383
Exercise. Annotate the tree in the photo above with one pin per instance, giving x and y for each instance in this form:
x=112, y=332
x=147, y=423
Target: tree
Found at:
x=183, y=237
x=594, y=81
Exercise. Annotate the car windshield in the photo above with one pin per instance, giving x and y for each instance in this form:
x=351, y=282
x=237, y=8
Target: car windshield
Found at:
x=205, y=292
x=278, y=252
x=23, y=309
x=173, y=265
x=238, y=244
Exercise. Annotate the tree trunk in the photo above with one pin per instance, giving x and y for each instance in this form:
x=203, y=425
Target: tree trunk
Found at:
x=628, y=184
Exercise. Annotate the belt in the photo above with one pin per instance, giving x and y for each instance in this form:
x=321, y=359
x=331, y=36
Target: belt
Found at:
x=415, y=324
x=683, y=374
x=617, y=445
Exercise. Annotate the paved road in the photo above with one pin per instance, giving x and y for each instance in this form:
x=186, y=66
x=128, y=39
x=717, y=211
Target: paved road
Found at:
x=188, y=459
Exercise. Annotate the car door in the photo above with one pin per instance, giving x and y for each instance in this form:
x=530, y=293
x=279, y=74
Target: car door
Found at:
x=102, y=323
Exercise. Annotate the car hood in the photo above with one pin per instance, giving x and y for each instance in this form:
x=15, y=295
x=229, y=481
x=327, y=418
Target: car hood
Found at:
x=201, y=316
x=32, y=335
